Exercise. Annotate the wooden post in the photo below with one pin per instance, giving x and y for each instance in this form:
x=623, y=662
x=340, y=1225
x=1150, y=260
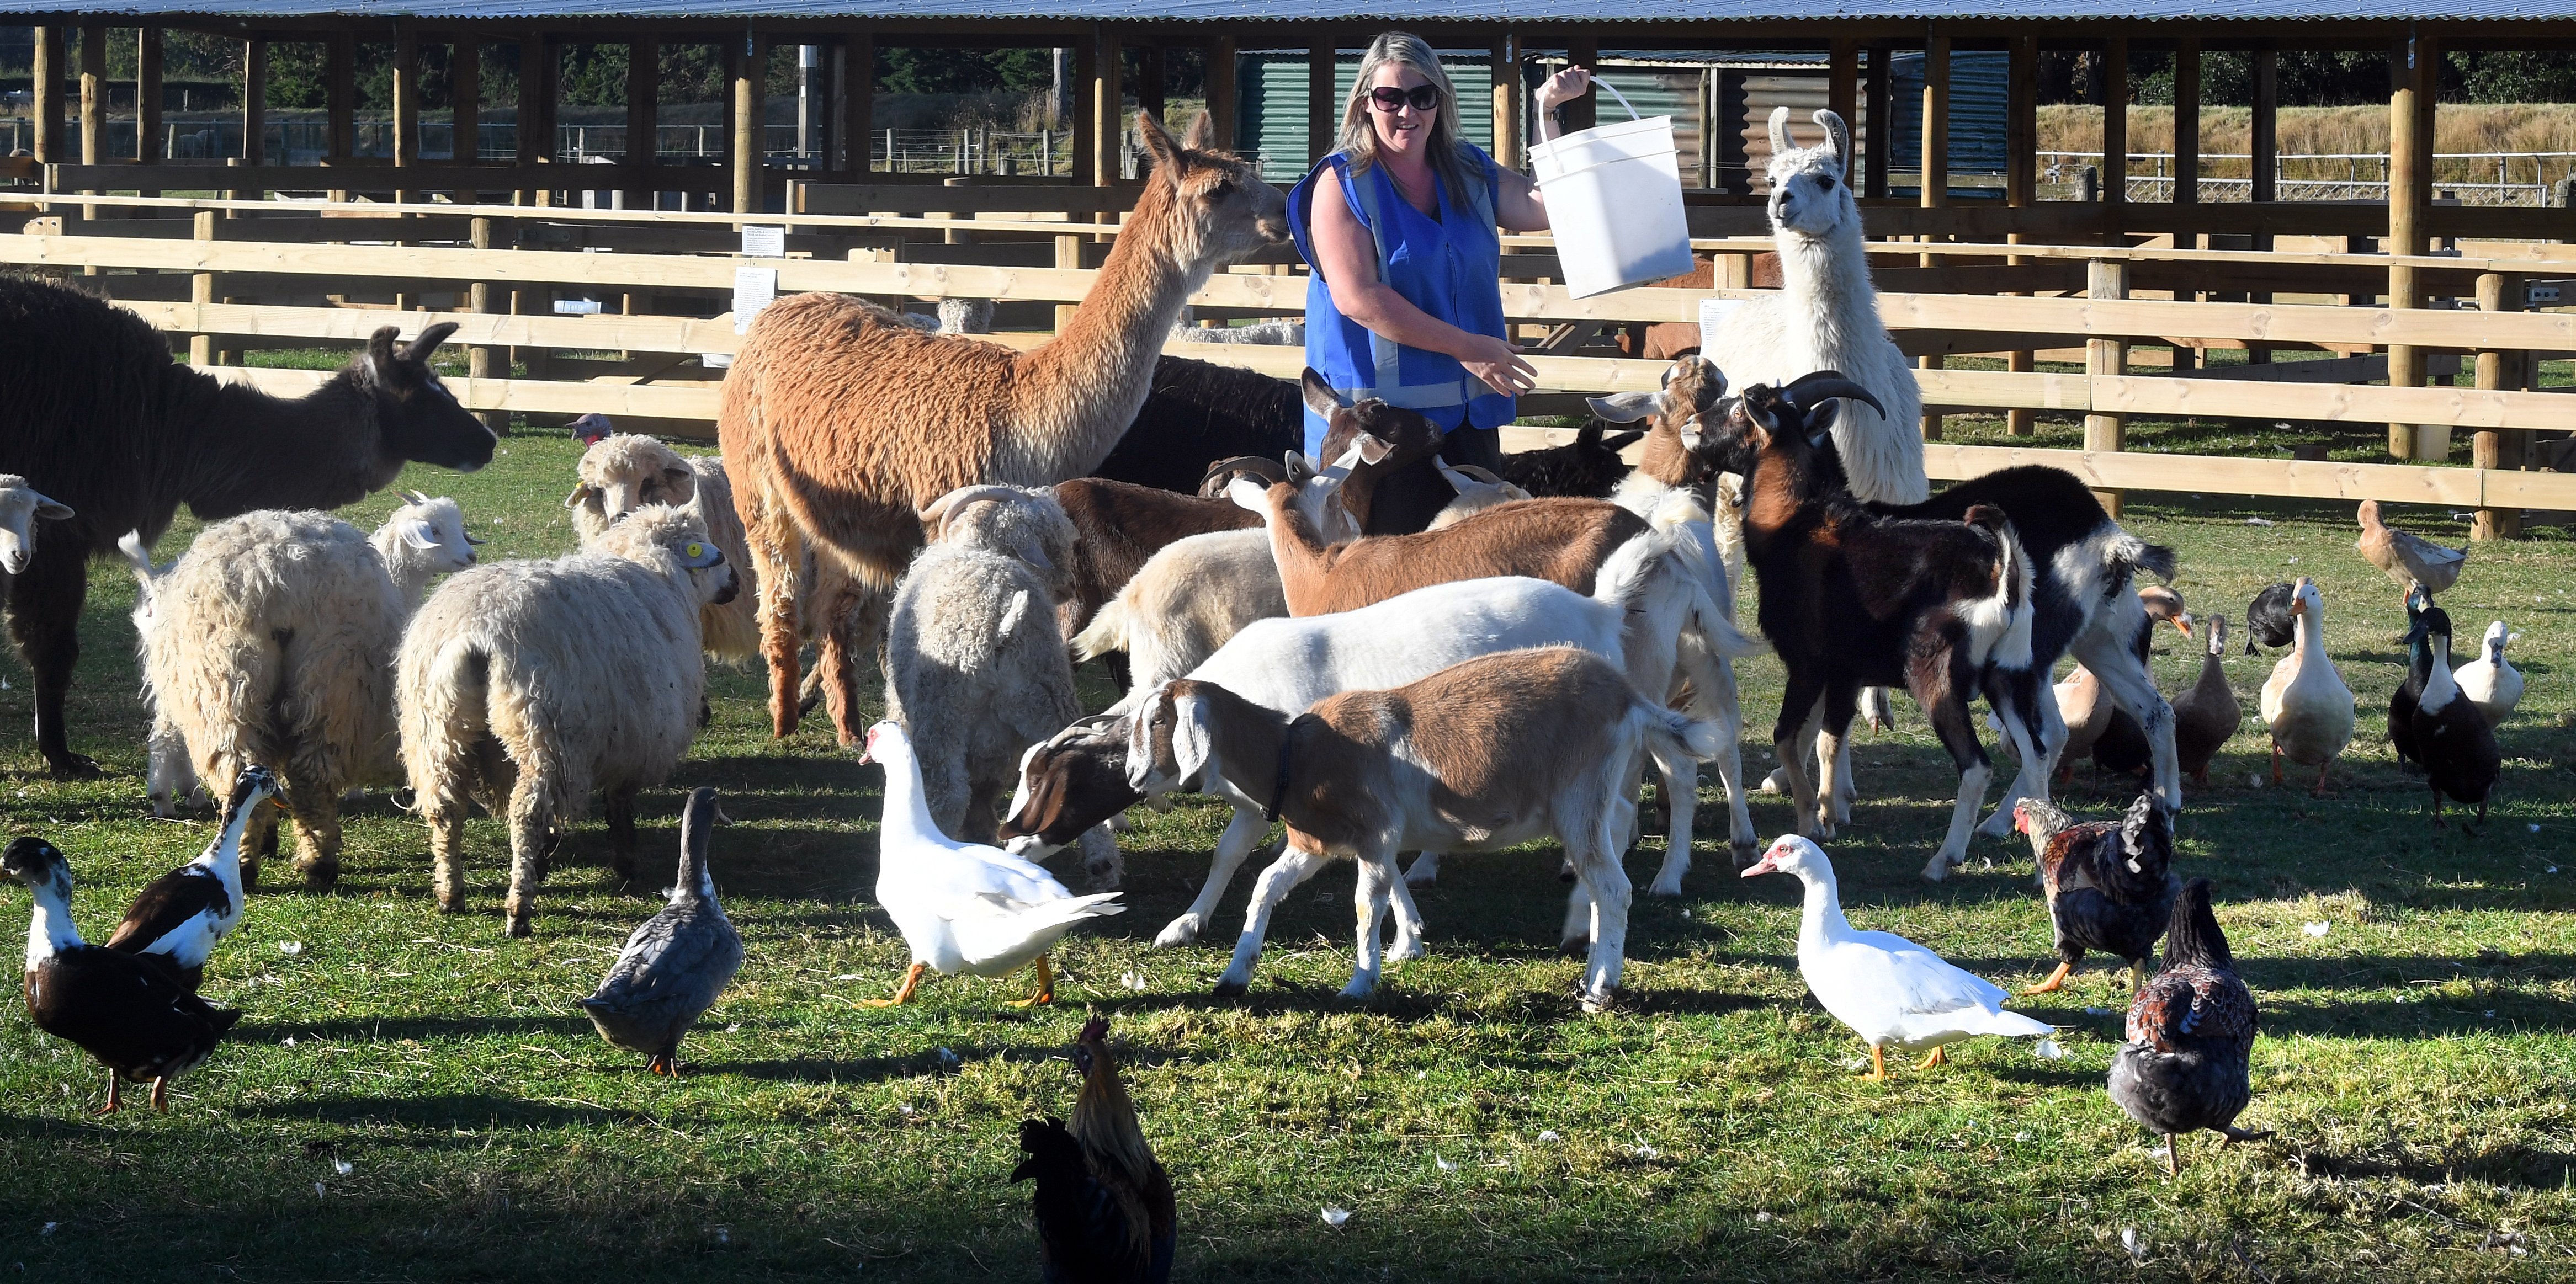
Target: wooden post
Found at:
x=2021, y=187
x=465, y=108
x=748, y=151
x=93, y=94
x=1108, y=108
x=1511, y=128
x=201, y=290
x=340, y=97
x=149, y=146
x=643, y=119
x=2105, y=358
x=1878, y=134
x=1078, y=160
x=2115, y=135
x=536, y=127
x=254, y=110
x=479, y=359
x=406, y=96
x=1221, y=91
x=1584, y=112
x=858, y=100
x=1842, y=82
x=2498, y=369
x=1149, y=82
x=2186, y=184
x=2415, y=65
x=1936, y=123
x=1323, y=108
x=2267, y=163
x=48, y=90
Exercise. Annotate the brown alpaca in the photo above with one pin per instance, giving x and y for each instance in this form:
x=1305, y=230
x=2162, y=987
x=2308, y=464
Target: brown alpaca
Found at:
x=839, y=423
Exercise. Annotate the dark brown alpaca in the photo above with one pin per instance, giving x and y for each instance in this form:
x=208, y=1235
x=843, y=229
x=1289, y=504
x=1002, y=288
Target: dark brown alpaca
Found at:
x=96, y=415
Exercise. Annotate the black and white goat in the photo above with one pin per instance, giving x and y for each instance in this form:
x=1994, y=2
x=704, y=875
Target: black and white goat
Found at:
x=1852, y=598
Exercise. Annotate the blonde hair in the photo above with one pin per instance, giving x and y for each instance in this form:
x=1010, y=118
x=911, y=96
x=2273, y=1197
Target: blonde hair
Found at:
x=1448, y=151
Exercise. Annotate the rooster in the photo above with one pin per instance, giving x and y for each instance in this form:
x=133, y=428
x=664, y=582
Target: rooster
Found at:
x=1103, y=1203
x=2186, y=1065
x=2110, y=884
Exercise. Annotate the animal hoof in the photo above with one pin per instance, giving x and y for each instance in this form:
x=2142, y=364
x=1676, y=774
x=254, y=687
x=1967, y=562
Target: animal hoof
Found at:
x=320, y=876
x=521, y=927
x=1181, y=931
x=1938, y=870
x=1358, y=992
x=72, y=766
x=1600, y=1000
x=1745, y=854
x=1230, y=989
x=1405, y=951
x=1661, y=887
x=1575, y=947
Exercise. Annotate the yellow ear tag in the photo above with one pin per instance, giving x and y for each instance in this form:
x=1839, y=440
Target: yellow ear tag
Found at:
x=697, y=550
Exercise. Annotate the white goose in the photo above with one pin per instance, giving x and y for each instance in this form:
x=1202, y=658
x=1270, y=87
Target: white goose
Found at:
x=1888, y=989
x=2490, y=681
x=963, y=907
x=2305, y=702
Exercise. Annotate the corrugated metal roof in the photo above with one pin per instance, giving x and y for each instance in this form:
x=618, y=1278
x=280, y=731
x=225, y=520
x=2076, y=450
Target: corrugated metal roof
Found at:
x=2207, y=12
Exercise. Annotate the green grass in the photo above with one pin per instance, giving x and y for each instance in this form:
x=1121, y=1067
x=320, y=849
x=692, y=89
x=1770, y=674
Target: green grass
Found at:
x=2416, y=1060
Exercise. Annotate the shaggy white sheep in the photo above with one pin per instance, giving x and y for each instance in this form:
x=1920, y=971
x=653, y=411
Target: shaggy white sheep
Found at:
x=525, y=685
x=1825, y=317
x=975, y=668
x=272, y=642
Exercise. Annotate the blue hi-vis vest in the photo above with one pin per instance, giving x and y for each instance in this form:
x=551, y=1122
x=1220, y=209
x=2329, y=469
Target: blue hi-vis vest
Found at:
x=1449, y=267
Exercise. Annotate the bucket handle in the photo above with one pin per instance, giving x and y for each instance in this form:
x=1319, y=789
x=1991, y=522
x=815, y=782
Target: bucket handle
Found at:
x=1603, y=83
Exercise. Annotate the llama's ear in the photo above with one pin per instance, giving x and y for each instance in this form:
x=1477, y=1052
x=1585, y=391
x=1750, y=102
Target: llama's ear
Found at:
x=1320, y=396
x=683, y=481
x=1780, y=143
x=1248, y=494
x=1627, y=407
x=1202, y=135
x=580, y=495
x=1157, y=140
x=1838, y=138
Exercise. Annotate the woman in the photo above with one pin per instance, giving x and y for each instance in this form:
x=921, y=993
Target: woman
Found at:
x=1406, y=302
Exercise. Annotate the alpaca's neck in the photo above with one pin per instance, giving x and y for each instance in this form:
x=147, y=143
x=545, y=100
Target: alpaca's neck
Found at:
x=1824, y=284
x=1080, y=390
x=250, y=450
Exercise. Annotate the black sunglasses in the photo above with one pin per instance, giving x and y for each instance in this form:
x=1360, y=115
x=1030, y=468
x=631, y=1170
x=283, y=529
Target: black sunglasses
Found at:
x=1390, y=98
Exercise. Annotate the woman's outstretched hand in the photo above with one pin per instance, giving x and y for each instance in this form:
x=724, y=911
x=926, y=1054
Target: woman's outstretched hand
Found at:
x=1563, y=87
x=1497, y=364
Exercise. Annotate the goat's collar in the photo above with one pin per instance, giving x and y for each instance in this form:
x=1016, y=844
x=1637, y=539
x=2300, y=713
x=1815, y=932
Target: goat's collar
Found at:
x=1279, y=783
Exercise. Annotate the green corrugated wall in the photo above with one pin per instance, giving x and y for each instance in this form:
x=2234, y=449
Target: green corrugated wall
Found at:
x=1271, y=104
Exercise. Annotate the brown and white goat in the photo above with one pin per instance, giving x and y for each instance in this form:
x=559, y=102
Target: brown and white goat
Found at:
x=1563, y=541
x=1853, y=599
x=839, y=421
x=1483, y=755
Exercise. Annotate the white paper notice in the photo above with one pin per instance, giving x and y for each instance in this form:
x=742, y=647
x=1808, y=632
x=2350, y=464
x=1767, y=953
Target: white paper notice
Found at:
x=753, y=289
x=1712, y=314
x=576, y=307
x=764, y=242
x=716, y=360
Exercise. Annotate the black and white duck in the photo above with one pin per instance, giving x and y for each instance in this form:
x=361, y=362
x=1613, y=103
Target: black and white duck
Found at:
x=183, y=914
x=2188, y=1064
x=2419, y=670
x=131, y=1011
x=2448, y=733
x=677, y=962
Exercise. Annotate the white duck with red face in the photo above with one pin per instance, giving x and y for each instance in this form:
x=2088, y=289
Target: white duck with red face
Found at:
x=1889, y=990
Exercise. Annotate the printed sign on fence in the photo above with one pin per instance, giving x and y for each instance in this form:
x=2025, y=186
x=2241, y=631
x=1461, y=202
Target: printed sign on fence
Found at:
x=1712, y=314
x=764, y=242
x=753, y=289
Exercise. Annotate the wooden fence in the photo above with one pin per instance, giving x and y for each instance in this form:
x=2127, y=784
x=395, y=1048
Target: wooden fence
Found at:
x=205, y=276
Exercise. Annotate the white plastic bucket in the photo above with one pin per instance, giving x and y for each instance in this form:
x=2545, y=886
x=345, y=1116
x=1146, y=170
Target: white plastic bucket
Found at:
x=1614, y=198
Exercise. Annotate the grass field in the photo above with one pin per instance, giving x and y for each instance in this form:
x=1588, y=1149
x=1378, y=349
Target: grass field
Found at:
x=413, y=1097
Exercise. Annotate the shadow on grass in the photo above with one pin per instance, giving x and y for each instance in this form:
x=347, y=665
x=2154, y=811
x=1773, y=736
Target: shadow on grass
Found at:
x=478, y=1109
x=421, y=1028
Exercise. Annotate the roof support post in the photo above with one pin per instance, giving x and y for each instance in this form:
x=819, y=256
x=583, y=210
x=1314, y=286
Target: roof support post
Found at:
x=2186, y=180
x=1511, y=128
x=1842, y=82
x=1222, y=106
x=2414, y=68
x=254, y=104
x=465, y=107
x=1584, y=112
x=750, y=124
x=1878, y=134
x=148, y=144
x=2115, y=135
x=48, y=69
x=2266, y=161
x=2021, y=187
x=1323, y=115
x=1936, y=168
x=643, y=120
x=93, y=102
x=406, y=94
x=858, y=103
x=340, y=97
x=1108, y=108
x=1149, y=82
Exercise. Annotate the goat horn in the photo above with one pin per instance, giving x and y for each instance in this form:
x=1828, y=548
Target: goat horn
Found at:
x=1480, y=473
x=936, y=516
x=1825, y=385
x=1240, y=465
x=1780, y=131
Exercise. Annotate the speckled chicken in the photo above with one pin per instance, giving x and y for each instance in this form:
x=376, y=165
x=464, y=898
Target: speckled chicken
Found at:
x=1103, y=1204
x=2110, y=884
x=677, y=962
x=2187, y=1064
